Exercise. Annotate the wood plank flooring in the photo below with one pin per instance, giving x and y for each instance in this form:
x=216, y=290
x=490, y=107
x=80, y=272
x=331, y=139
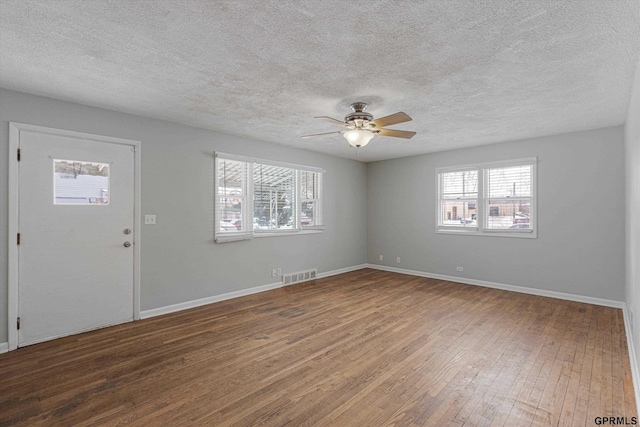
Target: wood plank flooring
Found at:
x=367, y=348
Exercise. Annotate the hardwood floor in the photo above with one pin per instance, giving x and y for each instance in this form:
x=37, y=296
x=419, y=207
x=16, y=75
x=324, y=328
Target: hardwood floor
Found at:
x=367, y=348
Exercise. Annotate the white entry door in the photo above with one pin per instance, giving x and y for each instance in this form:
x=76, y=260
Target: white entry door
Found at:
x=76, y=219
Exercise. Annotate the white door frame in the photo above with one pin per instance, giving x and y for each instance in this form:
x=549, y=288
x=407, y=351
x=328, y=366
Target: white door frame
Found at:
x=14, y=186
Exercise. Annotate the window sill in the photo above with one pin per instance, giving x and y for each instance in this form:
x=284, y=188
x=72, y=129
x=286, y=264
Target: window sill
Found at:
x=260, y=234
x=517, y=234
x=226, y=238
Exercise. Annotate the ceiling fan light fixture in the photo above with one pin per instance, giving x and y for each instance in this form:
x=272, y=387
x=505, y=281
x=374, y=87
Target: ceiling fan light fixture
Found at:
x=358, y=137
x=363, y=127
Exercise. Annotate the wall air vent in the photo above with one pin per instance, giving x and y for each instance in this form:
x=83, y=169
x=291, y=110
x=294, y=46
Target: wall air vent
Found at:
x=301, y=276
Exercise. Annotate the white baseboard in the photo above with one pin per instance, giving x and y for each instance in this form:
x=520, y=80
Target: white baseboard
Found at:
x=4, y=347
x=204, y=301
x=230, y=295
x=521, y=289
x=236, y=294
x=632, y=355
x=342, y=270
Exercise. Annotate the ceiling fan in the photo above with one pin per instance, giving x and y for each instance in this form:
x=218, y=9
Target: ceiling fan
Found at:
x=362, y=126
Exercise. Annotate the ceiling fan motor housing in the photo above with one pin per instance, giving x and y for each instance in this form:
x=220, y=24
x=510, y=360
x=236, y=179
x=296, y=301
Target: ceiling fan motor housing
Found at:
x=362, y=127
x=358, y=113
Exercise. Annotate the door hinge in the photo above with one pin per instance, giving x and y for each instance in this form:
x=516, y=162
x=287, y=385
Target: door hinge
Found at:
x=18, y=154
x=18, y=323
x=18, y=238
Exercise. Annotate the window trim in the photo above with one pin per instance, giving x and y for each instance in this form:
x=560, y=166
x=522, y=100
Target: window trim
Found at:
x=250, y=162
x=482, y=201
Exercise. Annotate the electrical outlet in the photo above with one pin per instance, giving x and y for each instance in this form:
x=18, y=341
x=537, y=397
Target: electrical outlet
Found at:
x=279, y=271
x=150, y=219
x=380, y=258
x=274, y=273
x=460, y=268
x=398, y=260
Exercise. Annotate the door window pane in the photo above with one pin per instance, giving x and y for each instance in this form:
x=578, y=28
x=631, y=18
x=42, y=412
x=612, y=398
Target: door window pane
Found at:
x=80, y=183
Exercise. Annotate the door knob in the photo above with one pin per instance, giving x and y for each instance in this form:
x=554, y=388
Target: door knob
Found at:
x=127, y=244
x=127, y=231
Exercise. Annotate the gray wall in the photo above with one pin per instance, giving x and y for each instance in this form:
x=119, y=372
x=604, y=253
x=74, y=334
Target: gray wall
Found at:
x=580, y=244
x=632, y=223
x=179, y=260
x=378, y=208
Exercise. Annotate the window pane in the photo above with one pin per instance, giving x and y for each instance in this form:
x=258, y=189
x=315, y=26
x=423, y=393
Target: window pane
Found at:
x=308, y=181
x=231, y=178
x=309, y=192
x=307, y=214
x=274, y=197
x=230, y=214
x=80, y=183
x=232, y=190
x=508, y=202
x=458, y=213
x=459, y=185
x=508, y=214
x=512, y=181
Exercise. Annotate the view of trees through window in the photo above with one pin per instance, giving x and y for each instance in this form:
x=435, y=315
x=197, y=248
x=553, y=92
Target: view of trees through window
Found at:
x=274, y=197
x=261, y=197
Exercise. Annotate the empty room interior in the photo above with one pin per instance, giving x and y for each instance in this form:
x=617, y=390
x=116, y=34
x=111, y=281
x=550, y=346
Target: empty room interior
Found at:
x=366, y=213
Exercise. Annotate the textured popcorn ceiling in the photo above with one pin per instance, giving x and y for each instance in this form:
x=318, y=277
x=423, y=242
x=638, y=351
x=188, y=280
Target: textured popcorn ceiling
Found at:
x=468, y=72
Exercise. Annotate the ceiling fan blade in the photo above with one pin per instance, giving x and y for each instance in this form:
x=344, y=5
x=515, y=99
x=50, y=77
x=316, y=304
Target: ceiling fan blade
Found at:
x=320, y=134
x=332, y=120
x=391, y=120
x=396, y=133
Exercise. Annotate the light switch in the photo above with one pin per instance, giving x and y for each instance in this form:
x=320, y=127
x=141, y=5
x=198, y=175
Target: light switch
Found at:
x=150, y=219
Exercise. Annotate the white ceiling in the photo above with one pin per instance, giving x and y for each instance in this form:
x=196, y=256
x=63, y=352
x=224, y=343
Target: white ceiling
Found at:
x=468, y=72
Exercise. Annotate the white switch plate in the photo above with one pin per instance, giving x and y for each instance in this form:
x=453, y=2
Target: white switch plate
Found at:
x=150, y=219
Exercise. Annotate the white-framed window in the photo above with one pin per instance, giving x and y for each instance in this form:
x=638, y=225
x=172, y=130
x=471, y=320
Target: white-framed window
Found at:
x=258, y=198
x=497, y=199
x=310, y=202
x=233, y=192
x=274, y=198
x=458, y=199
